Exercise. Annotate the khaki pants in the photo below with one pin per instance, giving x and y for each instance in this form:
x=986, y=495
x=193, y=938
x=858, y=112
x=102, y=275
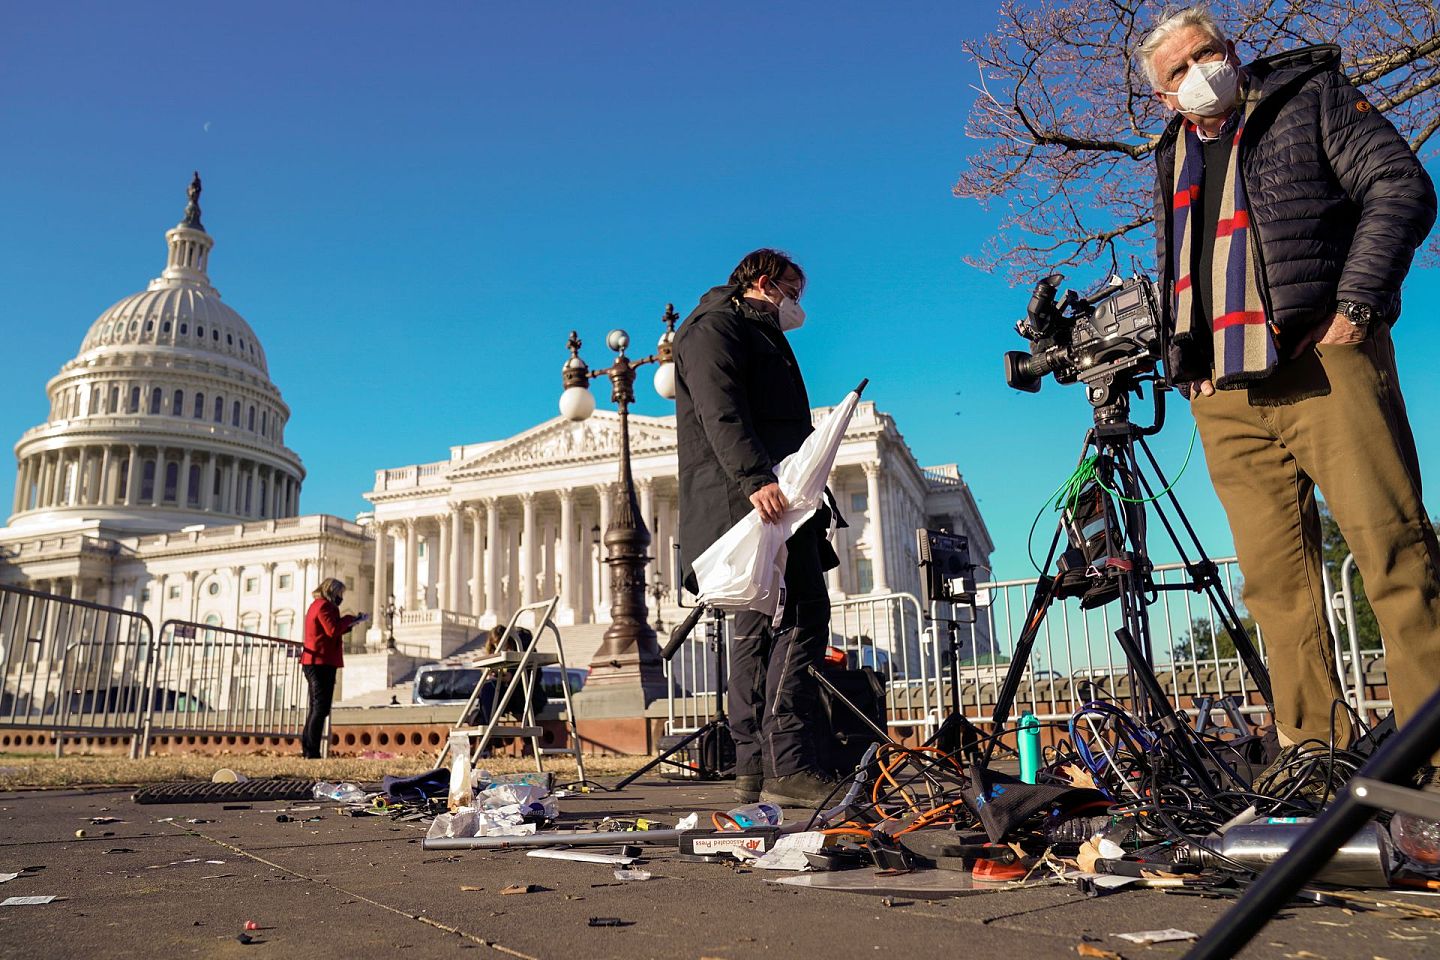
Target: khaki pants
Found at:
x=1333, y=419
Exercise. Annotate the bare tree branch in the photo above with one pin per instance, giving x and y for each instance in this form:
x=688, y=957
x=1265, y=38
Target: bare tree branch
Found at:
x=1067, y=120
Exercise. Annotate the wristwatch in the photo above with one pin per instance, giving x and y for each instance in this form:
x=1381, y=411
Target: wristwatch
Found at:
x=1359, y=314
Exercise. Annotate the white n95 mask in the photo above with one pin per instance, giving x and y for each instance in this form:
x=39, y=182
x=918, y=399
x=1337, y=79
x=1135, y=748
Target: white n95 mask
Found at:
x=1209, y=90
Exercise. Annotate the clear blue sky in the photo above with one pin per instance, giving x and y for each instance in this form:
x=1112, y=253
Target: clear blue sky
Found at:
x=413, y=205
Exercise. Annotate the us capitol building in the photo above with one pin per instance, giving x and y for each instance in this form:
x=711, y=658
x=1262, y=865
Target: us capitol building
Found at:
x=161, y=483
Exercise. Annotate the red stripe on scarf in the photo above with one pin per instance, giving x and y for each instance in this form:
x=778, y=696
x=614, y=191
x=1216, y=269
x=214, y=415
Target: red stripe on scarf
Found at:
x=1183, y=198
x=1240, y=221
x=1239, y=318
x=1182, y=284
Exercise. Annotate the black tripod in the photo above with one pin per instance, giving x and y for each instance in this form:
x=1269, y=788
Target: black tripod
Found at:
x=1114, y=564
x=717, y=728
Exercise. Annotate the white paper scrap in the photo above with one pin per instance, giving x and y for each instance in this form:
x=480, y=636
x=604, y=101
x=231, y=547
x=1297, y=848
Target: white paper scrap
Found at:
x=789, y=851
x=7, y=877
x=25, y=901
x=689, y=823
x=1158, y=936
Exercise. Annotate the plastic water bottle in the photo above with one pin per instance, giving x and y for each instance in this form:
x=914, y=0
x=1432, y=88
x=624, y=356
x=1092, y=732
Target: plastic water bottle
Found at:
x=1028, y=742
x=757, y=815
x=1418, y=839
x=343, y=792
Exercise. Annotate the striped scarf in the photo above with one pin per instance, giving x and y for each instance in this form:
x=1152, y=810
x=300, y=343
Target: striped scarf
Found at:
x=1243, y=348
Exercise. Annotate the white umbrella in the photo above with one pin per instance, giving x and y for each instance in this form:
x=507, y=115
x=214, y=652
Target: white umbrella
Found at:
x=745, y=568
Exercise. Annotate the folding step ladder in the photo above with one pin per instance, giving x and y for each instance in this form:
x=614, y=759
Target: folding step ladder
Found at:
x=524, y=668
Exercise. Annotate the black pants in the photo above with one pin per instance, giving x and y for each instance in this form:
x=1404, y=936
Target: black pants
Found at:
x=322, y=689
x=772, y=699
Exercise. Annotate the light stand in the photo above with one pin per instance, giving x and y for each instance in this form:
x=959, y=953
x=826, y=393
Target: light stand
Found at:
x=718, y=725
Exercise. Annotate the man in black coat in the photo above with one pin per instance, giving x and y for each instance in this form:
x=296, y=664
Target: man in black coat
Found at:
x=740, y=408
x=1288, y=210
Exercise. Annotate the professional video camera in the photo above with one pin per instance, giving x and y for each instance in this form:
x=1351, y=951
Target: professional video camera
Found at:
x=1103, y=336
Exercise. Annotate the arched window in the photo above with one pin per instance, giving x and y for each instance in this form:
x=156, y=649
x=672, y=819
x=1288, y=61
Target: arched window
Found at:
x=251, y=426
x=94, y=402
x=219, y=409
x=235, y=414
x=124, y=480
x=134, y=400
x=199, y=413
x=192, y=488
x=147, y=481
x=157, y=397
x=263, y=418
x=177, y=404
x=114, y=405
x=172, y=480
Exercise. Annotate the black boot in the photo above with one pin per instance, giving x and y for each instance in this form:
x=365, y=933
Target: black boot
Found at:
x=747, y=787
x=808, y=788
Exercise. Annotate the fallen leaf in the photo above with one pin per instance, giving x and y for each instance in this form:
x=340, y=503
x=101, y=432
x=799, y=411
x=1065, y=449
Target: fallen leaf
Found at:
x=1078, y=776
x=521, y=888
x=1098, y=953
x=471, y=889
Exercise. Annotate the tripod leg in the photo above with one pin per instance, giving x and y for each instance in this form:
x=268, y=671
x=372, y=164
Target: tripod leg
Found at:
x=665, y=757
x=1020, y=657
x=1207, y=577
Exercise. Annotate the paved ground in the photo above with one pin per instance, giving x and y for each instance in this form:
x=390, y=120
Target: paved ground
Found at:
x=362, y=887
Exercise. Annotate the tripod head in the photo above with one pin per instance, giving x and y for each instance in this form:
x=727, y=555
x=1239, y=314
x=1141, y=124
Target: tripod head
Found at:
x=1110, y=398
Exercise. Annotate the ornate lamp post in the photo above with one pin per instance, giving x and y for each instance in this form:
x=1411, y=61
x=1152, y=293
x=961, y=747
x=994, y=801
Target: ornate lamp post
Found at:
x=658, y=592
x=628, y=650
x=389, y=614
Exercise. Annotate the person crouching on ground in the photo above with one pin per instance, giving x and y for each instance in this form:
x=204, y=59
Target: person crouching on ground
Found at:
x=324, y=654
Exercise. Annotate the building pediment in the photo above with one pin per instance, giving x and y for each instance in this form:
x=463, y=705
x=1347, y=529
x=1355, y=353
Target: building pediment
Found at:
x=559, y=441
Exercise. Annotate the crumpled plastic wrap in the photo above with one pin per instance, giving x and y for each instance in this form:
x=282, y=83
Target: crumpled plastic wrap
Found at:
x=475, y=822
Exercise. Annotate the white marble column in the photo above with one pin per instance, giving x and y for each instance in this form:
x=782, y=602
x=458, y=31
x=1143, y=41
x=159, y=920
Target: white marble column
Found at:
x=382, y=572
x=565, y=558
x=477, y=561
x=252, y=507
x=412, y=565
x=57, y=482
x=453, y=595
x=182, y=485
x=874, y=507
x=267, y=611
x=647, y=504
x=105, y=489
x=132, y=476
x=157, y=488
x=492, y=559
x=602, y=613
x=438, y=560
x=82, y=464
x=528, y=536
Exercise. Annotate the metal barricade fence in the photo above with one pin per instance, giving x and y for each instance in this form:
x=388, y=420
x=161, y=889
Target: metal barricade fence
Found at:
x=1076, y=658
x=72, y=667
x=884, y=632
x=690, y=677
x=212, y=680
x=1351, y=661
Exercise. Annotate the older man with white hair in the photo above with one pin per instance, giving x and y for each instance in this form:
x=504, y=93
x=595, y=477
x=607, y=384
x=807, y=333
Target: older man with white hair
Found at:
x=1288, y=210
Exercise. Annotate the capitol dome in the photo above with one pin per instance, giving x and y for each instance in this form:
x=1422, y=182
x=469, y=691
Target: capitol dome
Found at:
x=167, y=416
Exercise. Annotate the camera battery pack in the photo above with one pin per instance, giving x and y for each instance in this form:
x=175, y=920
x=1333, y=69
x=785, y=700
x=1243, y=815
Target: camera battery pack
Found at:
x=756, y=840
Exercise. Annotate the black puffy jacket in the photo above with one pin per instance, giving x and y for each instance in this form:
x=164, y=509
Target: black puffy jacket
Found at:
x=740, y=408
x=1337, y=199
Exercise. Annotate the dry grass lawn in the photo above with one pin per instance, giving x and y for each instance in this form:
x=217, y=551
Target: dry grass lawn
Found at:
x=30, y=771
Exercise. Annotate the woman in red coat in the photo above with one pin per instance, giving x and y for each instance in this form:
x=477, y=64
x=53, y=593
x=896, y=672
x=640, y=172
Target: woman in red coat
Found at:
x=324, y=653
